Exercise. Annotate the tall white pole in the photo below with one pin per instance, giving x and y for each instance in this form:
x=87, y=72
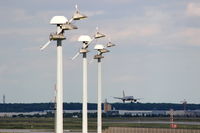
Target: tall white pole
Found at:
x=99, y=112
x=59, y=94
x=84, y=105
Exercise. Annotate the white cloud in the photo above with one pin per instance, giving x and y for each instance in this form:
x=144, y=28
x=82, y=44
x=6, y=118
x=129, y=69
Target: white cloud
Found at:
x=30, y=49
x=119, y=1
x=193, y=9
x=94, y=13
x=23, y=31
x=3, y=68
x=74, y=38
x=191, y=36
x=133, y=31
x=151, y=25
x=24, y=16
x=126, y=79
x=15, y=15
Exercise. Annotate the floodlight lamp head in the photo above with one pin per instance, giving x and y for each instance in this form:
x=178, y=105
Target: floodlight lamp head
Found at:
x=110, y=44
x=58, y=20
x=98, y=47
x=68, y=26
x=99, y=35
x=77, y=15
x=84, y=38
x=103, y=50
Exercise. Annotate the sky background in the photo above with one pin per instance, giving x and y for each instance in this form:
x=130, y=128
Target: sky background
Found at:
x=157, y=56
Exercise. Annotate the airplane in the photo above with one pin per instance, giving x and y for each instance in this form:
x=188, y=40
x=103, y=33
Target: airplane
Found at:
x=128, y=98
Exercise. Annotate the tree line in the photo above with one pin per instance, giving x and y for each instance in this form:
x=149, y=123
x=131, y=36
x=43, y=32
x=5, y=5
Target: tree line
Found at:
x=30, y=107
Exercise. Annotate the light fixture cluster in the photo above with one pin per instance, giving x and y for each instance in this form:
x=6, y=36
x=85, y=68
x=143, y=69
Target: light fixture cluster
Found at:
x=63, y=24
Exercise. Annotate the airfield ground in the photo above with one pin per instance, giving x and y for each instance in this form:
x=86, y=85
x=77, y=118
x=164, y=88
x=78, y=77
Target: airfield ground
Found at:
x=74, y=124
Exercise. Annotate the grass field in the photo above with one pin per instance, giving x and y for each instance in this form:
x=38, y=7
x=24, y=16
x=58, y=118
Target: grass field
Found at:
x=75, y=124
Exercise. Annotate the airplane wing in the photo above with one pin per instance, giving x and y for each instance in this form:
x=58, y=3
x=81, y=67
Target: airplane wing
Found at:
x=138, y=98
x=118, y=98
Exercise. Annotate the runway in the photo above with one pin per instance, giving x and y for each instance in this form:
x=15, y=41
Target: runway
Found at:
x=33, y=131
x=156, y=122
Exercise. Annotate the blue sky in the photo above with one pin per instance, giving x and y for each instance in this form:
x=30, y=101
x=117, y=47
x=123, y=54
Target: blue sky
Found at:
x=156, y=58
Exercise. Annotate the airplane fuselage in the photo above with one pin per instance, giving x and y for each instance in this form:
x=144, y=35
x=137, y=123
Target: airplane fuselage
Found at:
x=127, y=98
